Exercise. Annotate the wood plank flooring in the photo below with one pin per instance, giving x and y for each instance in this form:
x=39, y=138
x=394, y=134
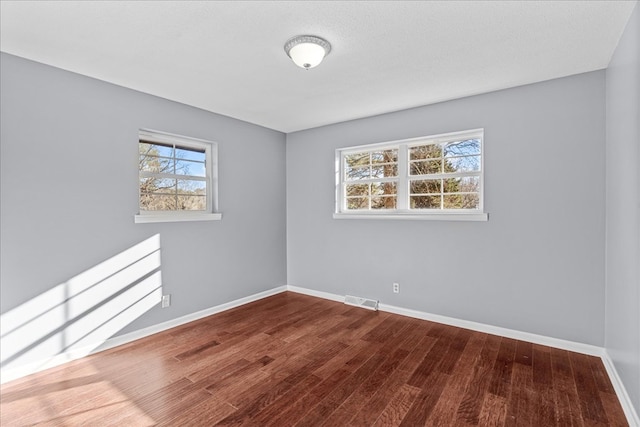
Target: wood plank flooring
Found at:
x=292, y=359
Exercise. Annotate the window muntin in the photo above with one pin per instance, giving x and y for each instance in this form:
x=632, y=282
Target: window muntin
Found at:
x=438, y=174
x=175, y=174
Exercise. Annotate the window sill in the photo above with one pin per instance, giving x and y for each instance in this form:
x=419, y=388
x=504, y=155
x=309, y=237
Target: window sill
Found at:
x=428, y=217
x=146, y=218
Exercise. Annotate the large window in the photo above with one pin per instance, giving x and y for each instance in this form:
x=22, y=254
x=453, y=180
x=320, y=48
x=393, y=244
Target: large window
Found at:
x=434, y=177
x=177, y=175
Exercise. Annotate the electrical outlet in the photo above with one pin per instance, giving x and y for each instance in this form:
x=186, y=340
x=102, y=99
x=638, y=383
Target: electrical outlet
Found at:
x=166, y=300
x=396, y=288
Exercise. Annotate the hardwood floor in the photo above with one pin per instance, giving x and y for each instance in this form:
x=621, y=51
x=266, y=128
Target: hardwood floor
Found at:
x=292, y=359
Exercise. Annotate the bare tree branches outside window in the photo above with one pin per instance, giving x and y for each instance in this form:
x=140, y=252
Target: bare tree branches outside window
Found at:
x=370, y=172
x=437, y=173
x=442, y=192
x=172, y=178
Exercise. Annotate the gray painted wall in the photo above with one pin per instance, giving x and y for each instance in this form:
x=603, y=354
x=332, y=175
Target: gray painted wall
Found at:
x=69, y=192
x=622, y=319
x=537, y=265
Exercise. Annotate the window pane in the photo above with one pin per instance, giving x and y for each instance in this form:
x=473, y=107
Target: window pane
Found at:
x=157, y=185
x=381, y=188
x=155, y=202
x=462, y=148
x=426, y=186
x=452, y=201
x=357, y=159
x=425, y=202
x=192, y=187
x=187, y=167
x=357, y=189
x=384, y=156
x=154, y=149
x=155, y=164
x=355, y=173
x=192, y=203
x=383, y=202
x=426, y=167
x=431, y=151
x=462, y=164
x=471, y=201
x=358, y=203
x=461, y=201
x=384, y=171
x=190, y=154
x=470, y=184
x=452, y=185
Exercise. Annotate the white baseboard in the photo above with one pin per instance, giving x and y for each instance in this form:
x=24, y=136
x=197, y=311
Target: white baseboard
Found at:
x=621, y=391
x=577, y=347
x=14, y=373
x=142, y=333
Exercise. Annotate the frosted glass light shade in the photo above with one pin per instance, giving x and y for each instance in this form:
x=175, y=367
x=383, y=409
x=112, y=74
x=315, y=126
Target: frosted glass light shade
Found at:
x=307, y=51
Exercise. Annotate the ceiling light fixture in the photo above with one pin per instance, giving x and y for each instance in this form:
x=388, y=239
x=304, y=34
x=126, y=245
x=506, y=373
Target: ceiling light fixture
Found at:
x=307, y=51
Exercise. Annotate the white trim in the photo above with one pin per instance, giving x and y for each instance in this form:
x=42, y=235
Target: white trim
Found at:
x=577, y=347
x=402, y=187
x=441, y=139
x=621, y=391
x=422, y=217
x=7, y=375
x=142, y=333
x=161, y=137
x=176, y=217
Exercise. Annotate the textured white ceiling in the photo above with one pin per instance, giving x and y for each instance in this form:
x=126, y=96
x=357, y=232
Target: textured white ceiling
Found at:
x=228, y=57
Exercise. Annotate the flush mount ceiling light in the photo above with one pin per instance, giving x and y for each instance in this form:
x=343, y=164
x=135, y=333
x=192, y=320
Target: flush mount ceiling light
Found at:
x=307, y=51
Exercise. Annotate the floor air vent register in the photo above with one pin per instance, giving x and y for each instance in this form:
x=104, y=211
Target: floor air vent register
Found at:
x=369, y=304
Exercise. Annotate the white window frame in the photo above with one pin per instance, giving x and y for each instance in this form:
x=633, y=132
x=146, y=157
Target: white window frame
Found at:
x=211, y=179
x=403, y=181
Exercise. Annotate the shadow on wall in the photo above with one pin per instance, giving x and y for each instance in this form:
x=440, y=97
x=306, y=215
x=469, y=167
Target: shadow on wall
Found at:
x=74, y=318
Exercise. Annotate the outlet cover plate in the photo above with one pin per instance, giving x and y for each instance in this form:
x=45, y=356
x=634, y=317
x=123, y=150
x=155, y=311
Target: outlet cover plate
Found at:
x=166, y=300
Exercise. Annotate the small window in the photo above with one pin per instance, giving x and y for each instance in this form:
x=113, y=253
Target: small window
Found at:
x=434, y=177
x=177, y=178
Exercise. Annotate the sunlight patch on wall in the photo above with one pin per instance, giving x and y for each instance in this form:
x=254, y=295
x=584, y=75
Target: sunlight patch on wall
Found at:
x=75, y=317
